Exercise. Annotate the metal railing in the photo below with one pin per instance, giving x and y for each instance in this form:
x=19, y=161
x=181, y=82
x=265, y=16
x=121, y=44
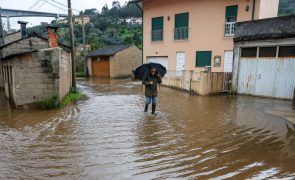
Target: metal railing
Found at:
x=157, y=35
x=181, y=33
x=230, y=28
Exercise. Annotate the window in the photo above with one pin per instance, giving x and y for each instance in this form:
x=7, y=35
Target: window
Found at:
x=230, y=20
x=157, y=29
x=287, y=51
x=249, y=52
x=203, y=58
x=181, y=26
x=268, y=52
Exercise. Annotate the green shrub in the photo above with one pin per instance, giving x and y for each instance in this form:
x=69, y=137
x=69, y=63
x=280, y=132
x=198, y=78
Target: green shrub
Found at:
x=50, y=103
x=72, y=97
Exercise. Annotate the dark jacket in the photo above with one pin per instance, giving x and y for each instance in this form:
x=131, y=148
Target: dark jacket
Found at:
x=151, y=89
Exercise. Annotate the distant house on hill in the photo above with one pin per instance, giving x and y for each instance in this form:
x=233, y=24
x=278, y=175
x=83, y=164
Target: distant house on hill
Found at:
x=116, y=61
x=33, y=68
x=77, y=20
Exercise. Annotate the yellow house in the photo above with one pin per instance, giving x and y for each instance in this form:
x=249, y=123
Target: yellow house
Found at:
x=194, y=34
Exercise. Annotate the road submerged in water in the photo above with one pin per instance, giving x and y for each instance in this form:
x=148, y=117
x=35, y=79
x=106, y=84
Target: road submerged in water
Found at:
x=108, y=136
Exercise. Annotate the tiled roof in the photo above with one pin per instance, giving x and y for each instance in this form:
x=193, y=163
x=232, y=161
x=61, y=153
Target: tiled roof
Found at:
x=108, y=51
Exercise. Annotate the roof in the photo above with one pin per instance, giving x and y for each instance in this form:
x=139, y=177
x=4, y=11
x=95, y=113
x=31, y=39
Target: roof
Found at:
x=18, y=54
x=108, y=51
x=65, y=47
x=264, y=29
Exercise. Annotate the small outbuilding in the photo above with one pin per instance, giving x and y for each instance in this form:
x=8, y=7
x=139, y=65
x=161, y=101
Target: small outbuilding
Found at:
x=264, y=60
x=34, y=68
x=116, y=61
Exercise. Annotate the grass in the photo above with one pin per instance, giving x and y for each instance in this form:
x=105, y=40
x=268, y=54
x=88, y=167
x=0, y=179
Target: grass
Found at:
x=53, y=102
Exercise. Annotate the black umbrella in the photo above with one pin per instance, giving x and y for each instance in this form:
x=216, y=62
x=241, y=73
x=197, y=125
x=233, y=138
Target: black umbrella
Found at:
x=142, y=71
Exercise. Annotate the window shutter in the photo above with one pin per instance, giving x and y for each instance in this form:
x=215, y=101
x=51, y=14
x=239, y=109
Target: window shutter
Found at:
x=231, y=11
x=203, y=58
x=181, y=20
x=157, y=23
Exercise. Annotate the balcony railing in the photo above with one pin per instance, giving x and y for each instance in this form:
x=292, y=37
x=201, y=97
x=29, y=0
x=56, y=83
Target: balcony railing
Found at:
x=181, y=33
x=157, y=35
x=230, y=28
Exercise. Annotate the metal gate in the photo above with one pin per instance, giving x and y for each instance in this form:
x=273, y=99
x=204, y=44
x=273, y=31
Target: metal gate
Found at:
x=267, y=77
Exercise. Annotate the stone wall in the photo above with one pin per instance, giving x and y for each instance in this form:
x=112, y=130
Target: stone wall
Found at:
x=123, y=62
x=36, y=76
x=24, y=45
x=1, y=76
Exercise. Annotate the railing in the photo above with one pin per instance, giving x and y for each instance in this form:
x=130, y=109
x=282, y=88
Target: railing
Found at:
x=230, y=28
x=157, y=35
x=181, y=33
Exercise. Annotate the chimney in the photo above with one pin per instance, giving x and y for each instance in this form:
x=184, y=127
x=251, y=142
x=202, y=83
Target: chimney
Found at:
x=23, y=28
x=52, y=36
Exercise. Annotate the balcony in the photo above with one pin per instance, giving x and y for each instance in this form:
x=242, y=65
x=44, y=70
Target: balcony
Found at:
x=230, y=28
x=181, y=33
x=157, y=35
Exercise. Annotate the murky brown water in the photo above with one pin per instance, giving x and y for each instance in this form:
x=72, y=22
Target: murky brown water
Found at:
x=109, y=137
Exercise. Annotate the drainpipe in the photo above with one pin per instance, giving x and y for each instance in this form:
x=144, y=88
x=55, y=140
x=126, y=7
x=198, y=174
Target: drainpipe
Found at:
x=136, y=3
x=1, y=31
x=294, y=98
x=253, y=9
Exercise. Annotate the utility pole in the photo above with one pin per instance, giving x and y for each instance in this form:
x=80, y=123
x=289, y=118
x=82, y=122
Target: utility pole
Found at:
x=70, y=20
x=84, y=46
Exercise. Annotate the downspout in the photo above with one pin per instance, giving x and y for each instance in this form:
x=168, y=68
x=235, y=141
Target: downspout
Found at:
x=136, y=3
x=253, y=9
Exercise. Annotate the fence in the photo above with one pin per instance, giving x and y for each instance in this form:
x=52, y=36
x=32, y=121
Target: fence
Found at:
x=202, y=83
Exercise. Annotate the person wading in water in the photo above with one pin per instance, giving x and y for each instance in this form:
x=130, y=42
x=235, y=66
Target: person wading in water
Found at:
x=151, y=82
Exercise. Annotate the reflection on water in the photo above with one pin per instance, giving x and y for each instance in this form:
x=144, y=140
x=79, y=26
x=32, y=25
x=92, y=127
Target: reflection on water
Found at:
x=109, y=137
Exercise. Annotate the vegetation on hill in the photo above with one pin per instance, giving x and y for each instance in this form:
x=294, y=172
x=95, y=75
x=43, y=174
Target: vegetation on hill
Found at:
x=104, y=28
x=287, y=7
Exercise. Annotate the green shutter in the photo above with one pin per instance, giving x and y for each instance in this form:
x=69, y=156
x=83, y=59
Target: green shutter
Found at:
x=203, y=58
x=181, y=20
x=231, y=11
x=157, y=23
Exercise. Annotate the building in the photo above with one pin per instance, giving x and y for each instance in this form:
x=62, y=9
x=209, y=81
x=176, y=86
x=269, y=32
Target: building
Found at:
x=77, y=20
x=116, y=61
x=134, y=21
x=196, y=35
x=34, y=68
x=264, y=62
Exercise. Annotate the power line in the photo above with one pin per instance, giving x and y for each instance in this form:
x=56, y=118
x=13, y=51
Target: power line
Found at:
x=54, y=5
x=34, y=5
x=63, y=5
x=40, y=6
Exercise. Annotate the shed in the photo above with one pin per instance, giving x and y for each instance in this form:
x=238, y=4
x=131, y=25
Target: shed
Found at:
x=115, y=61
x=264, y=62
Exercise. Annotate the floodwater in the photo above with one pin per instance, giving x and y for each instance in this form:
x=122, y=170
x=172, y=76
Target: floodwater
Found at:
x=109, y=137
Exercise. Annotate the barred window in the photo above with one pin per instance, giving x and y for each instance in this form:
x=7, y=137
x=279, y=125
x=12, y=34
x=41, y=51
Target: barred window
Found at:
x=249, y=52
x=267, y=51
x=287, y=51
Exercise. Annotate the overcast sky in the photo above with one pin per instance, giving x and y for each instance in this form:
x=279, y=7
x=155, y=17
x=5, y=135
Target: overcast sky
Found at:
x=40, y=5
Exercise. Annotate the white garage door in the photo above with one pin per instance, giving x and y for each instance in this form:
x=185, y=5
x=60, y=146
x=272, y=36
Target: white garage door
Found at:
x=161, y=60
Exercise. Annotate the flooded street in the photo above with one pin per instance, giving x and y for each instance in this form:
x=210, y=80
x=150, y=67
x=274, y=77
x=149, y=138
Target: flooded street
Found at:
x=108, y=136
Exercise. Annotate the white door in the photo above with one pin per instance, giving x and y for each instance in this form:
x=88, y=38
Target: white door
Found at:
x=228, y=61
x=180, y=63
x=161, y=60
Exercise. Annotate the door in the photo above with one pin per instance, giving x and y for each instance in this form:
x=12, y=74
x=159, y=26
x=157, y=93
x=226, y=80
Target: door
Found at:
x=180, y=63
x=228, y=61
x=161, y=60
x=101, y=67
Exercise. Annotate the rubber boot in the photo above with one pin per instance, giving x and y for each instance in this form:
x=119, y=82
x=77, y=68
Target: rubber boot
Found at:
x=146, y=108
x=154, y=109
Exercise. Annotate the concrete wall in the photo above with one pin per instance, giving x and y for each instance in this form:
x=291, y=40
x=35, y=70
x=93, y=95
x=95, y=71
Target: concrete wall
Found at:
x=201, y=83
x=28, y=44
x=206, y=29
x=1, y=76
x=65, y=73
x=36, y=76
x=123, y=62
